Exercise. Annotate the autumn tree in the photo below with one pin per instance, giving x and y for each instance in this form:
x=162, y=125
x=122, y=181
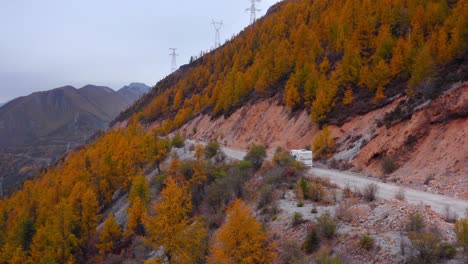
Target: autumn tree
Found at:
x=348, y=96
x=241, y=239
x=158, y=149
x=324, y=101
x=172, y=229
x=292, y=98
x=140, y=189
x=85, y=205
x=55, y=241
x=423, y=68
x=323, y=144
x=110, y=235
x=136, y=214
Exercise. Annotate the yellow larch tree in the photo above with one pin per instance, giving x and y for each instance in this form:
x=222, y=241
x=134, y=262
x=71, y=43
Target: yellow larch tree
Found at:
x=348, y=96
x=323, y=144
x=110, y=235
x=180, y=236
x=136, y=213
x=241, y=239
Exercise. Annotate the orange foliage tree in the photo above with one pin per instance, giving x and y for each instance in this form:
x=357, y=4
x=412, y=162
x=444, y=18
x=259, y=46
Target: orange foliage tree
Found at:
x=172, y=228
x=241, y=239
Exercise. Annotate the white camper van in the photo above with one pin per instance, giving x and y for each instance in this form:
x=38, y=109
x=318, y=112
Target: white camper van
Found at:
x=303, y=155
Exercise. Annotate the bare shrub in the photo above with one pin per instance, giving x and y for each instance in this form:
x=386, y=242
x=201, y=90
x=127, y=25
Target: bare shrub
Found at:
x=401, y=193
x=450, y=216
x=324, y=255
x=366, y=242
x=425, y=246
x=266, y=196
x=343, y=211
x=315, y=192
x=388, y=165
x=324, y=182
x=348, y=192
x=415, y=223
x=369, y=192
x=327, y=225
x=290, y=252
x=428, y=179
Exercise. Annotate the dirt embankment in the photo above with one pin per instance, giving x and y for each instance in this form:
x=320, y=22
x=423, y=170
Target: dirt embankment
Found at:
x=428, y=144
x=264, y=122
x=430, y=148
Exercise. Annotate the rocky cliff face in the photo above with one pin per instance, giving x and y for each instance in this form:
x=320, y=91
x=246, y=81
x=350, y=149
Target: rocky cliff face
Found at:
x=427, y=140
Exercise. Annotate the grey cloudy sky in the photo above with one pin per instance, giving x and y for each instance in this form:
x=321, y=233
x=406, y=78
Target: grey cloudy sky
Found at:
x=51, y=43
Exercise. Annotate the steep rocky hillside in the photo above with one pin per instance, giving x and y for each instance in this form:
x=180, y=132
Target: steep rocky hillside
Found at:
x=333, y=59
x=386, y=77
x=309, y=64
x=428, y=141
x=37, y=129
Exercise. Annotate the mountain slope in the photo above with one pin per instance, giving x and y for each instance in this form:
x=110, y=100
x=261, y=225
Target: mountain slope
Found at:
x=36, y=129
x=308, y=58
x=335, y=59
x=336, y=62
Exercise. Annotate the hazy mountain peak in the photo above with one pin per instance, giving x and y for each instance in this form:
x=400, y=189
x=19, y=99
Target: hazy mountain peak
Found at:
x=133, y=91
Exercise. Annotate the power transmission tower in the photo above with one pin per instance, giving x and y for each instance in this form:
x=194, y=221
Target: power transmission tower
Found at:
x=217, y=26
x=253, y=10
x=174, y=59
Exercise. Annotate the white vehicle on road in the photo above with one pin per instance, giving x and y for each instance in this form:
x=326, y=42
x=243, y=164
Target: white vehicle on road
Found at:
x=304, y=156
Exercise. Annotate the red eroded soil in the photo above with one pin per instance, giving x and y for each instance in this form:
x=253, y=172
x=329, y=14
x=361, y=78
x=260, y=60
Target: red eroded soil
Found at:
x=431, y=144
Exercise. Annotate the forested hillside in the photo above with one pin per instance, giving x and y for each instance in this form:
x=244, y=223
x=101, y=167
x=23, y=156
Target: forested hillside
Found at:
x=319, y=55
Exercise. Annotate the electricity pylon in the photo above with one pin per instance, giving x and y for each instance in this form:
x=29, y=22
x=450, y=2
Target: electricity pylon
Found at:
x=174, y=59
x=253, y=10
x=217, y=26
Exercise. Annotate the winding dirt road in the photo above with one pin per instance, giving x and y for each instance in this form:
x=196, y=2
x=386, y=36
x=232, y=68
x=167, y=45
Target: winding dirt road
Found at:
x=438, y=203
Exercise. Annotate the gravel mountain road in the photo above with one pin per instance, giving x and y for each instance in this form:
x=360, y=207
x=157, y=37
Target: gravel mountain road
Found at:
x=438, y=203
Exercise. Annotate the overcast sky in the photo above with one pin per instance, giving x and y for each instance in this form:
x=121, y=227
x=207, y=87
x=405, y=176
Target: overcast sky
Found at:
x=51, y=43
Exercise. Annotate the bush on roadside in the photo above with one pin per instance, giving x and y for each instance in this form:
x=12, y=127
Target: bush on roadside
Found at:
x=211, y=149
x=256, y=155
x=369, y=192
x=400, y=195
x=282, y=158
x=366, y=242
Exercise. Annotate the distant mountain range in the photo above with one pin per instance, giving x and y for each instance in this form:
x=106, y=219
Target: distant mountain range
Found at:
x=37, y=129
